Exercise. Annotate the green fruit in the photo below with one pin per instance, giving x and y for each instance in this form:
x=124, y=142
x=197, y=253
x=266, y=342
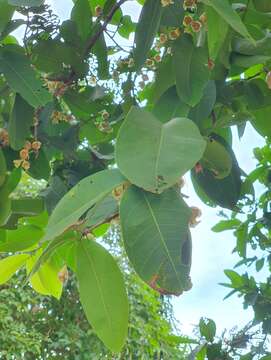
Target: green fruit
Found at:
x=223, y=192
x=217, y=159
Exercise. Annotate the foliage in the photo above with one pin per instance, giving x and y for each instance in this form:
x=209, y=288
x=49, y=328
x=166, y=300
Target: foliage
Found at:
x=38, y=327
x=109, y=127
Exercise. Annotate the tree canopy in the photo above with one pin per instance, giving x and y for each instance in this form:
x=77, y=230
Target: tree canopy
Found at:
x=111, y=129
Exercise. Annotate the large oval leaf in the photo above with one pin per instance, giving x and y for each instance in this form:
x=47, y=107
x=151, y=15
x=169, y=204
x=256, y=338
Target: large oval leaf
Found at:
x=155, y=234
x=190, y=66
x=153, y=155
x=146, y=30
x=80, y=198
x=102, y=294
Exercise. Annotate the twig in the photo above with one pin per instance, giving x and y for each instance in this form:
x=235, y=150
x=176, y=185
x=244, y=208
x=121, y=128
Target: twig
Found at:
x=91, y=42
x=114, y=41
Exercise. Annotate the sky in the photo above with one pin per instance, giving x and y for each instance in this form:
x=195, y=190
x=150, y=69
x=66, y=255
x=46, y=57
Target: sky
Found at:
x=211, y=251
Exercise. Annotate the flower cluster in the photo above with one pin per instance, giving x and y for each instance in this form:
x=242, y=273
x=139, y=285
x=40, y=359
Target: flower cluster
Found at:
x=58, y=116
x=25, y=153
x=195, y=214
x=165, y=3
x=190, y=4
x=4, y=138
x=57, y=88
x=102, y=122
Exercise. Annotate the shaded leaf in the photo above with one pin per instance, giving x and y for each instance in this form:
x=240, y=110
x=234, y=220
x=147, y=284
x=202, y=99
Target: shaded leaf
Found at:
x=146, y=30
x=81, y=198
x=10, y=265
x=157, y=226
x=102, y=294
x=22, y=78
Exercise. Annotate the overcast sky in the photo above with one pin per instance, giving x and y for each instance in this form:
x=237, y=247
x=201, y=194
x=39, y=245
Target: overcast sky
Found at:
x=211, y=252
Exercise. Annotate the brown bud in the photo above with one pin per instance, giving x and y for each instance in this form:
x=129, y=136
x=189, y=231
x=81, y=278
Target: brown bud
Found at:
x=24, y=155
x=36, y=145
x=196, y=26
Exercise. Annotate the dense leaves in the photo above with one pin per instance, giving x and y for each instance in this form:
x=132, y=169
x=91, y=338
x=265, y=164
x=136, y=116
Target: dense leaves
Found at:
x=102, y=124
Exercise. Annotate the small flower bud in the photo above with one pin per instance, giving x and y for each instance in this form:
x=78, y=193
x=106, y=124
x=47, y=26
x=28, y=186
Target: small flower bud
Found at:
x=268, y=79
x=17, y=163
x=157, y=58
x=26, y=165
x=187, y=20
x=203, y=18
x=163, y=38
x=165, y=3
x=98, y=11
x=24, y=155
x=36, y=145
x=196, y=26
x=174, y=34
x=149, y=62
x=196, y=213
x=27, y=145
x=145, y=77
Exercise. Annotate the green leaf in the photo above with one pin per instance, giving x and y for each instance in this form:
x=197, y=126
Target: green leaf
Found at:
x=157, y=226
x=21, y=119
x=40, y=167
x=102, y=294
x=82, y=16
x=3, y=168
x=203, y=109
x=164, y=79
x=223, y=225
x=23, y=238
x=236, y=279
x=51, y=56
x=22, y=78
x=172, y=15
x=81, y=198
x=259, y=264
x=260, y=121
x=5, y=14
x=225, y=10
x=216, y=37
x=207, y=329
x=51, y=248
x=101, y=211
x=45, y=281
x=100, y=50
x=170, y=106
x=190, y=66
x=10, y=265
x=146, y=30
x=164, y=152
x=30, y=3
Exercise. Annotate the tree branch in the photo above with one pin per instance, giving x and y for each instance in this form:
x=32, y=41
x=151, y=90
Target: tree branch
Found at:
x=91, y=42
